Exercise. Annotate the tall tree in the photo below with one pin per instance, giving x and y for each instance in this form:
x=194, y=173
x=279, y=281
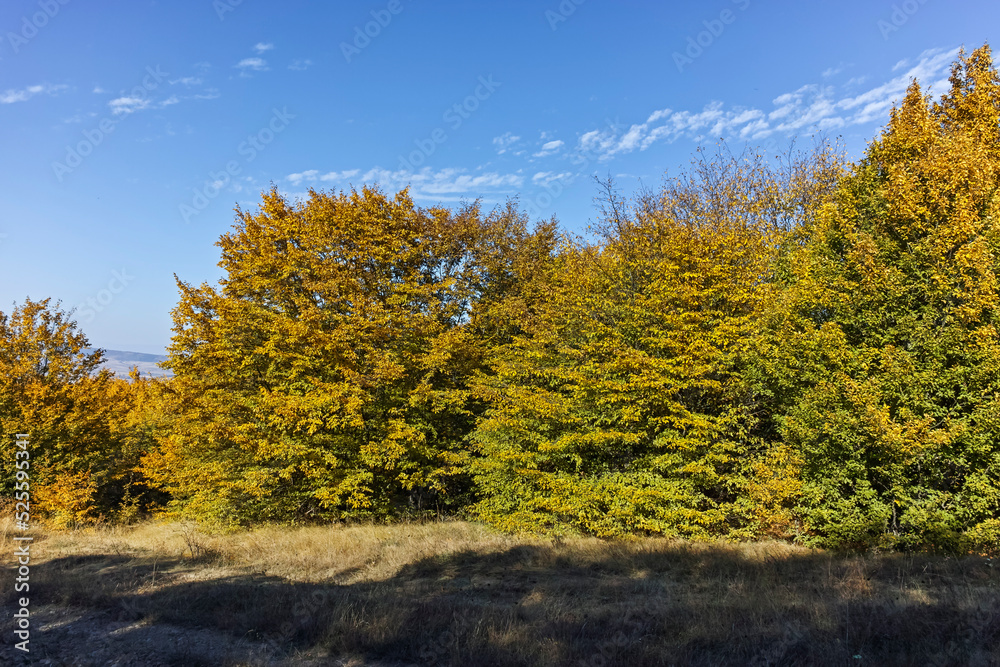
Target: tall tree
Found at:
x=621, y=406
x=884, y=349
x=84, y=448
x=326, y=376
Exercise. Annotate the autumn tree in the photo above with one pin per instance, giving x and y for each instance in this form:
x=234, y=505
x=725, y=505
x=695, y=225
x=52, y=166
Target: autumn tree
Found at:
x=884, y=356
x=326, y=376
x=621, y=406
x=84, y=445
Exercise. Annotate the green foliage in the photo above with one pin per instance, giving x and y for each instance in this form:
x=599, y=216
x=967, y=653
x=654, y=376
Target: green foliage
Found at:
x=620, y=407
x=882, y=349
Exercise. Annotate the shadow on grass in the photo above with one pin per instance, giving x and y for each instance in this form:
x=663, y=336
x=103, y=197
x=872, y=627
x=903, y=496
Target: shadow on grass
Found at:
x=553, y=605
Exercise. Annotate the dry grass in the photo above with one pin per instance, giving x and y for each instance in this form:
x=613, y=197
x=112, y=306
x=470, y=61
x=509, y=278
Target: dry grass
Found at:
x=460, y=594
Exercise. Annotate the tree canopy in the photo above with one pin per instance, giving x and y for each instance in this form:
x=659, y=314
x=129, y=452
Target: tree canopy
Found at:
x=798, y=347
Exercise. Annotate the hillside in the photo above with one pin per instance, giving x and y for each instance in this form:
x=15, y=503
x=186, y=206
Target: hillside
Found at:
x=121, y=362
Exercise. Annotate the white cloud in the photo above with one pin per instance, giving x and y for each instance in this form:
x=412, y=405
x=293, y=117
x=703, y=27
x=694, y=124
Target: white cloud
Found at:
x=811, y=106
x=13, y=95
x=300, y=64
x=340, y=176
x=261, y=47
x=186, y=81
x=297, y=178
x=632, y=138
x=657, y=115
x=931, y=71
x=251, y=64
x=807, y=106
x=313, y=175
x=122, y=106
x=546, y=177
x=505, y=141
x=425, y=183
x=549, y=147
x=445, y=181
x=127, y=105
x=98, y=90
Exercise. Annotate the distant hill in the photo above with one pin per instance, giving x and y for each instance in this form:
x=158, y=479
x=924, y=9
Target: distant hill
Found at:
x=120, y=363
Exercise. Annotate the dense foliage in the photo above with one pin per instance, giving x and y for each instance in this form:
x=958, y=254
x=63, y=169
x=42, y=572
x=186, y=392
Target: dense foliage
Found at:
x=795, y=347
x=87, y=428
x=621, y=405
x=883, y=351
x=328, y=377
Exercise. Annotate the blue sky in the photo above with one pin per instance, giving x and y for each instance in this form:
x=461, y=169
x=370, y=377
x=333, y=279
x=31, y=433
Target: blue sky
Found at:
x=131, y=129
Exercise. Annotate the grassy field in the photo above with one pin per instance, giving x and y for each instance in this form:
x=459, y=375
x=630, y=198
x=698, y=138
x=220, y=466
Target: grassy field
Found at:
x=459, y=594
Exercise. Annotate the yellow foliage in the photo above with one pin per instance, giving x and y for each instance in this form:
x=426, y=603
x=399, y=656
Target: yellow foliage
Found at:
x=68, y=500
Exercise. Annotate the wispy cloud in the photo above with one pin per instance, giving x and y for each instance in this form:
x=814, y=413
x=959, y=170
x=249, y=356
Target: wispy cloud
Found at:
x=248, y=65
x=545, y=177
x=505, y=141
x=261, y=47
x=186, y=81
x=122, y=106
x=14, y=95
x=425, y=183
x=932, y=71
x=550, y=147
x=300, y=65
x=833, y=71
x=126, y=105
x=810, y=107
x=313, y=176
